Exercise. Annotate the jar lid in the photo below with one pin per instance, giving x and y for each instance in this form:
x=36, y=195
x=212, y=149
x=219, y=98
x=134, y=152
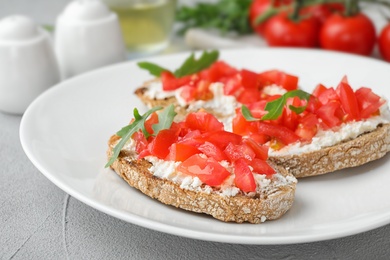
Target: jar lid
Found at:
x=18, y=28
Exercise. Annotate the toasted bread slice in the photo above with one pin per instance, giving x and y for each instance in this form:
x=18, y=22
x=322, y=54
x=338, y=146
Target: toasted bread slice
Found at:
x=363, y=149
x=275, y=198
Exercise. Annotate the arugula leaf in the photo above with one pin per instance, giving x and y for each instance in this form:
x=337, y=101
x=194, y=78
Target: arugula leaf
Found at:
x=191, y=65
x=153, y=69
x=126, y=132
x=275, y=107
x=165, y=119
x=247, y=114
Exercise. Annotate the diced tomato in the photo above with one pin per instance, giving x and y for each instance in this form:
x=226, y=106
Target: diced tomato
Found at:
x=288, y=82
x=203, y=121
x=188, y=93
x=248, y=96
x=290, y=118
x=269, y=77
x=219, y=72
x=170, y=82
x=221, y=138
x=348, y=101
x=261, y=167
x=140, y=141
x=243, y=127
x=330, y=114
x=307, y=127
x=190, y=138
x=368, y=102
x=258, y=108
x=208, y=170
x=261, y=151
x=237, y=151
x=159, y=147
x=233, y=86
x=328, y=96
x=202, y=90
x=180, y=152
x=282, y=133
x=153, y=119
x=213, y=151
x=313, y=104
x=319, y=90
x=249, y=79
x=244, y=179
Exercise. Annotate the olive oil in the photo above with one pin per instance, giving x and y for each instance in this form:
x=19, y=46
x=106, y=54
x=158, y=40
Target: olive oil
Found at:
x=146, y=25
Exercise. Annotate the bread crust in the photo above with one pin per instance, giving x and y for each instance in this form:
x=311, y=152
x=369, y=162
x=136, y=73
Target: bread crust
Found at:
x=363, y=149
x=270, y=204
x=366, y=148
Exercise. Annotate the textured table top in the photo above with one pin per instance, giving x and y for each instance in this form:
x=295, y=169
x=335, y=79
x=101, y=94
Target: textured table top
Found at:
x=40, y=221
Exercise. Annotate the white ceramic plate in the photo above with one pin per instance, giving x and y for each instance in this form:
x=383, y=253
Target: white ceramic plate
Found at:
x=64, y=133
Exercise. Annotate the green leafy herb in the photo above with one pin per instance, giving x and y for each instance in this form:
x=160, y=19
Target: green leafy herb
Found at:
x=275, y=107
x=126, y=132
x=153, y=69
x=190, y=65
x=223, y=15
x=165, y=119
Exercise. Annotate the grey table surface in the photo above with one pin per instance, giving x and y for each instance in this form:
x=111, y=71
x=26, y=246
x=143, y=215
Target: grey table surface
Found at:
x=40, y=221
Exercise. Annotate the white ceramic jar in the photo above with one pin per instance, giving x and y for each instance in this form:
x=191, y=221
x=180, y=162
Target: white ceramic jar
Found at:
x=27, y=63
x=87, y=36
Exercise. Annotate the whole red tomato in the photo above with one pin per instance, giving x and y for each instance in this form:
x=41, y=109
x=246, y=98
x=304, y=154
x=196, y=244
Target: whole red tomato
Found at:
x=257, y=8
x=280, y=30
x=353, y=34
x=384, y=42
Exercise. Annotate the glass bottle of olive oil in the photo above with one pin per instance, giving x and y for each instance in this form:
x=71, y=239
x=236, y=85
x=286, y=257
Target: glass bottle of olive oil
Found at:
x=146, y=24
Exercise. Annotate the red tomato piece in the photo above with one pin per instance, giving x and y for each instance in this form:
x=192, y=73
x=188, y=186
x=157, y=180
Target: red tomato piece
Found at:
x=140, y=140
x=328, y=96
x=330, y=114
x=153, y=119
x=219, y=71
x=208, y=170
x=348, y=101
x=237, y=151
x=261, y=167
x=213, y=151
x=203, y=121
x=159, y=146
x=261, y=151
x=244, y=179
x=288, y=82
x=221, y=138
x=369, y=103
x=170, y=82
x=188, y=93
x=248, y=96
x=179, y=152
x=282, y=133
x=249, y=79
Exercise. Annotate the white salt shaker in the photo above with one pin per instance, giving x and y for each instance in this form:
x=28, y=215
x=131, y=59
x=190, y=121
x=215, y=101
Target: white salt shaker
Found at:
x=87, y=36
x=27, y=63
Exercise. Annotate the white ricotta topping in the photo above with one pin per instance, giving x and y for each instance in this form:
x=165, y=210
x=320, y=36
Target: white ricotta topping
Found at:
x=326, y=138
x=274, y=90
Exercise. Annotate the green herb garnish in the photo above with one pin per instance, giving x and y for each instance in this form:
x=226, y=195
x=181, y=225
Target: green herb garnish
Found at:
x=275, y=107
x=223, y=15
x=165, y=119
x=126, y=132
x=190, y=65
